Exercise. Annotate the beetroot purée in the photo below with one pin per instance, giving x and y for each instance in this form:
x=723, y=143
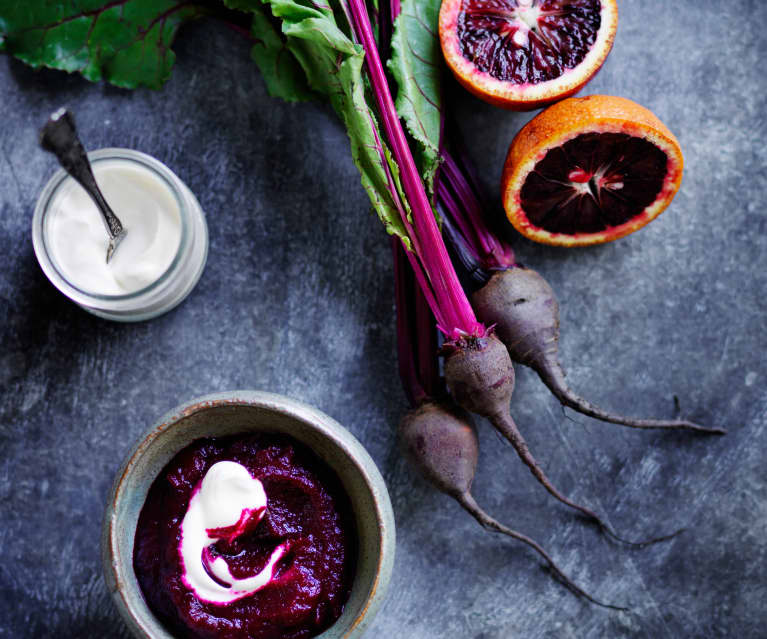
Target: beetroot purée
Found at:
x=307, y=507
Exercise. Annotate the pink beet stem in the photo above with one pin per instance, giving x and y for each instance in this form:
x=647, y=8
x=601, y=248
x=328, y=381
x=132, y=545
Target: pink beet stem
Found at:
x=472, y=207
x=449, y=303
x=417, y=268
x=425, y=336
x=416, y=333
x=469, y=216
x=405, y=348
x=396, y=9
x=460, y=220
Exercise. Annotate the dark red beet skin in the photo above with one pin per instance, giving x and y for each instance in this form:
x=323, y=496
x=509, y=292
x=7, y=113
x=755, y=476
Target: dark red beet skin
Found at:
x=440, y=441
x=522, y=307
x=307, y=507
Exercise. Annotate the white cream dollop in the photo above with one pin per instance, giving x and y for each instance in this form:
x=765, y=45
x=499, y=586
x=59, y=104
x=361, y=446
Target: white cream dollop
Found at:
x=78, y=239
x=228, y=497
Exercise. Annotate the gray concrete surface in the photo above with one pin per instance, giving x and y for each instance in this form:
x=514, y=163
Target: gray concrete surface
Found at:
x=301, y=304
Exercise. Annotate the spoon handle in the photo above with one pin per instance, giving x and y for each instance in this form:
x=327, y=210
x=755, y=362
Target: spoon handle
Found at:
x=59, y=136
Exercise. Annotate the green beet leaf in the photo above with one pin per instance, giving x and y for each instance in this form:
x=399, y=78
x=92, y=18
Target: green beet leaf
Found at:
x=416, y=65
x=281, y=71
x=126, y=42
x=332, y=66
x=282, y=74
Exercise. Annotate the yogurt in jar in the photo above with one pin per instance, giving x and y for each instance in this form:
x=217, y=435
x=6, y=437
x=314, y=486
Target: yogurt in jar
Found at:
x=158, y=262
x=78, y=239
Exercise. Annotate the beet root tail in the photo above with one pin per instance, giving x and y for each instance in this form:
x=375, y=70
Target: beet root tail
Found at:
x=486, y=521
x=505, y=425
x=552, y=375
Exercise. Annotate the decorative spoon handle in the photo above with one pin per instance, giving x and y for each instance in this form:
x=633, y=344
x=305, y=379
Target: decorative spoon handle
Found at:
x=59, y=136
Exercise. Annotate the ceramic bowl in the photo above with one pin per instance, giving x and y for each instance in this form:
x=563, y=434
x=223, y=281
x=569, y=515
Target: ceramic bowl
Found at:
x=235, y=412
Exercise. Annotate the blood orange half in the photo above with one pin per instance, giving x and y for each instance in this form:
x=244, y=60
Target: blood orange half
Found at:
x=524, y=54
x=590, y=170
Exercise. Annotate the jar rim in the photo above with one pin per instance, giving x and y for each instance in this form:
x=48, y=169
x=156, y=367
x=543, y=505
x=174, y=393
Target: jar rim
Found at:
x=39, y=240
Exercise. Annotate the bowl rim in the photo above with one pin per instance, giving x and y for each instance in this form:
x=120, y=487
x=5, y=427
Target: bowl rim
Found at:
x=116, y=580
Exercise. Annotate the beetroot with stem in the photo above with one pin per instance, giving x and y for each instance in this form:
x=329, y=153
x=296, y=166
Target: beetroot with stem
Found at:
x=441, y=442
x=478, y=370
x=524, y=310
x=475, y=388
x=480, y=377
x=438, y=437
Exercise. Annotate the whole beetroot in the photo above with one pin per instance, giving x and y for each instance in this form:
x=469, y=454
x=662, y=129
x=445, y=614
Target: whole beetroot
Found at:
x=437, y=436
x=440, y=441
x=525, y=312
x=480, y=377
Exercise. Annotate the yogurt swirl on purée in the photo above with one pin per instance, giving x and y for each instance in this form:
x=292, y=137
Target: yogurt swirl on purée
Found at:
x=228, y=502
x=248, y=536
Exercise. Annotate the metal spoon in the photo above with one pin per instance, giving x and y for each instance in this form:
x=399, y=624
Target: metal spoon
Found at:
x=59, y=136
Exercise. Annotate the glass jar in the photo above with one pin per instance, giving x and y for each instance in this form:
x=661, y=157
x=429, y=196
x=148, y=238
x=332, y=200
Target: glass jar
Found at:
x=171, y=286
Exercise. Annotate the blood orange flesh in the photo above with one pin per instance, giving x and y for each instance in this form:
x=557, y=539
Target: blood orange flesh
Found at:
x=523, y=42
x=590, y=170
x=593, y=182
x=523, y=54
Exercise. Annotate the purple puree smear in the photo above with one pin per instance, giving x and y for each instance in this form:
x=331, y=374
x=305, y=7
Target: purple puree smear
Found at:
x=307, y=507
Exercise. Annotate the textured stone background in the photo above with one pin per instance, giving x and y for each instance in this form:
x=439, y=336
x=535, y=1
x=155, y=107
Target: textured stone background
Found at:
x=297, y=299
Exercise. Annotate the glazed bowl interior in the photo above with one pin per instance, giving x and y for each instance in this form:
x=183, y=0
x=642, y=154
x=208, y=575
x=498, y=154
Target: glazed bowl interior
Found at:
x=240, y=412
